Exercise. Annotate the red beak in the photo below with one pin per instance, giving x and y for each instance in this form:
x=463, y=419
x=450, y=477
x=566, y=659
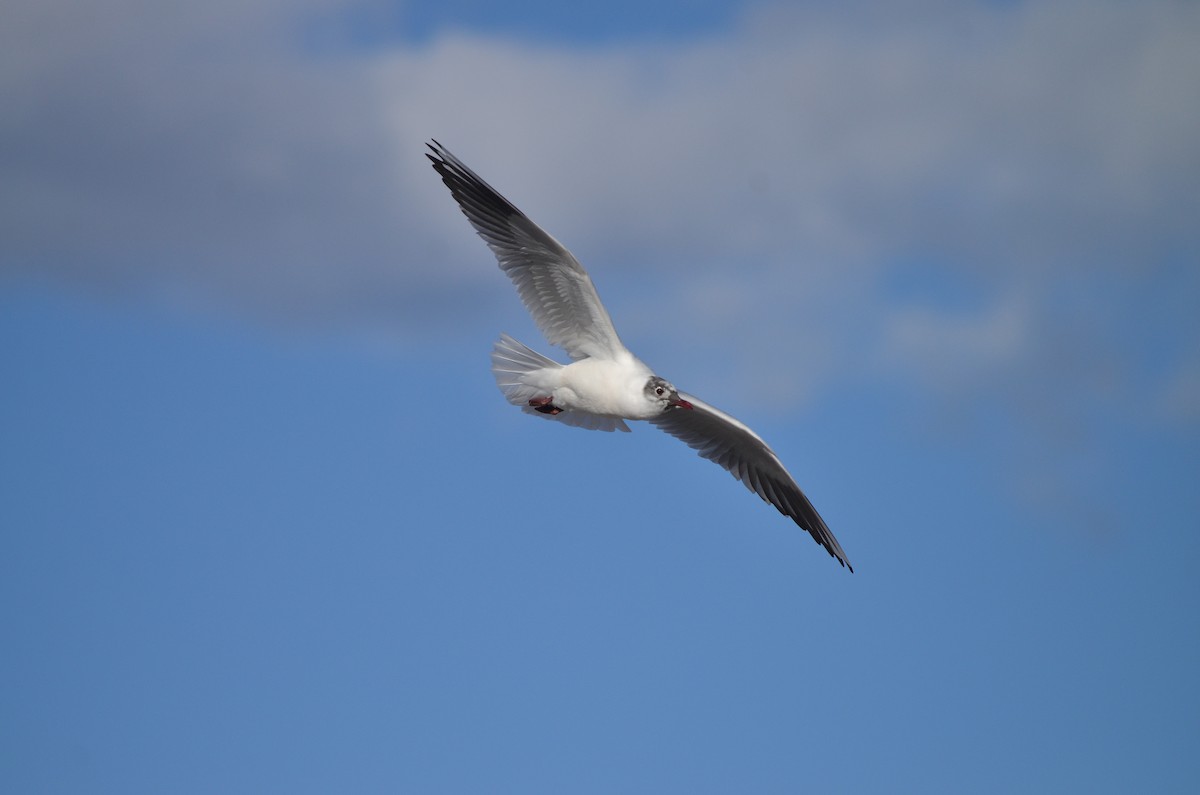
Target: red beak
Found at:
x=680, y=403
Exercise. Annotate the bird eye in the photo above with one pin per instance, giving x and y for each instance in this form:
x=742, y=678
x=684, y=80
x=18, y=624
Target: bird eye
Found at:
x=658, y=390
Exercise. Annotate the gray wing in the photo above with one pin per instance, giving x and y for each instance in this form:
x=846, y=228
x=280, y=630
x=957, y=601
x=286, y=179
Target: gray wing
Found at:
x=553, y=285
x=722, y=439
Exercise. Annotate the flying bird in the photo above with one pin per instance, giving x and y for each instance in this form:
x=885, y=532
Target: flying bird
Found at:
x=605, y=384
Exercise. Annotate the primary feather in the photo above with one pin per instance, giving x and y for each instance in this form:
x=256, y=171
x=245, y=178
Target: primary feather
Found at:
x=552, y=284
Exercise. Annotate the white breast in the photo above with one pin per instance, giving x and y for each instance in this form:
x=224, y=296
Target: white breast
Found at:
x=609, y=387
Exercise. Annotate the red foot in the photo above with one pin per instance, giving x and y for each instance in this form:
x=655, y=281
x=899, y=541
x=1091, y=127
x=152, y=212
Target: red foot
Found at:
x=544, y=405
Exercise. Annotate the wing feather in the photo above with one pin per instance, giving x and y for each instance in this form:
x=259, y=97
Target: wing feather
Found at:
x=552, y=284
x=724, y=440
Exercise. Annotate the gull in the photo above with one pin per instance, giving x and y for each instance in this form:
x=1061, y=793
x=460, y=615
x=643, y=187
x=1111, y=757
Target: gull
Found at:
x=605, y=384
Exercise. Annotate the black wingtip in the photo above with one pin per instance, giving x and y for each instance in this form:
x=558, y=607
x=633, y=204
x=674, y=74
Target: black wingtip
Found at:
x=837, y=555
x=845, y=563
x=437, y=153
x=842, y=561
x=475, y=197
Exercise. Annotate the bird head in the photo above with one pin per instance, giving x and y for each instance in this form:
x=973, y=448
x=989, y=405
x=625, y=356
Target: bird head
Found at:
x=660, y=392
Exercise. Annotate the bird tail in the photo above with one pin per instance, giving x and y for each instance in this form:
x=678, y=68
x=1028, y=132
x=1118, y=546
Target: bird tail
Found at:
x=510, y=361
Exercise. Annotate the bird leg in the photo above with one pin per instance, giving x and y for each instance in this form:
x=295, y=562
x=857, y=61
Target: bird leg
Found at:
x=544, y=405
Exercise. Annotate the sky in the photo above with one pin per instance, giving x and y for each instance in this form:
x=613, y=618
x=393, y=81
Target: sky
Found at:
x=267, y=525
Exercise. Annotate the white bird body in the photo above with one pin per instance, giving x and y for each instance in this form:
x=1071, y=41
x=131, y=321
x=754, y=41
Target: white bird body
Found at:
x=605, y=384
x=605, y=387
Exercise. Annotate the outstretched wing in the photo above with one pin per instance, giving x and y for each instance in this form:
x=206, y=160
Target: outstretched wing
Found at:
x=553, y=285
x=722, y=439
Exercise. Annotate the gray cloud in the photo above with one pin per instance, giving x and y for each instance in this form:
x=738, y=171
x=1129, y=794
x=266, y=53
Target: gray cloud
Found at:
x=990, y=208
x=152, y=147
x=792, y=168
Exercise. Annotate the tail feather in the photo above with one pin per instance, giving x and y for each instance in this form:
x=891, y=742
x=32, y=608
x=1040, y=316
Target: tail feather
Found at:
x=512, y=360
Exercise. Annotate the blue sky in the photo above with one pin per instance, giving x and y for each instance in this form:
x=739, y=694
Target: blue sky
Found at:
x=266, y=525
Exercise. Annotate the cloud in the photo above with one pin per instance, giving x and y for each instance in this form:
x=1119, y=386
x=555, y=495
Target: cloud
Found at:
x=954, y=348
x=151, y=147
x=789, y=167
